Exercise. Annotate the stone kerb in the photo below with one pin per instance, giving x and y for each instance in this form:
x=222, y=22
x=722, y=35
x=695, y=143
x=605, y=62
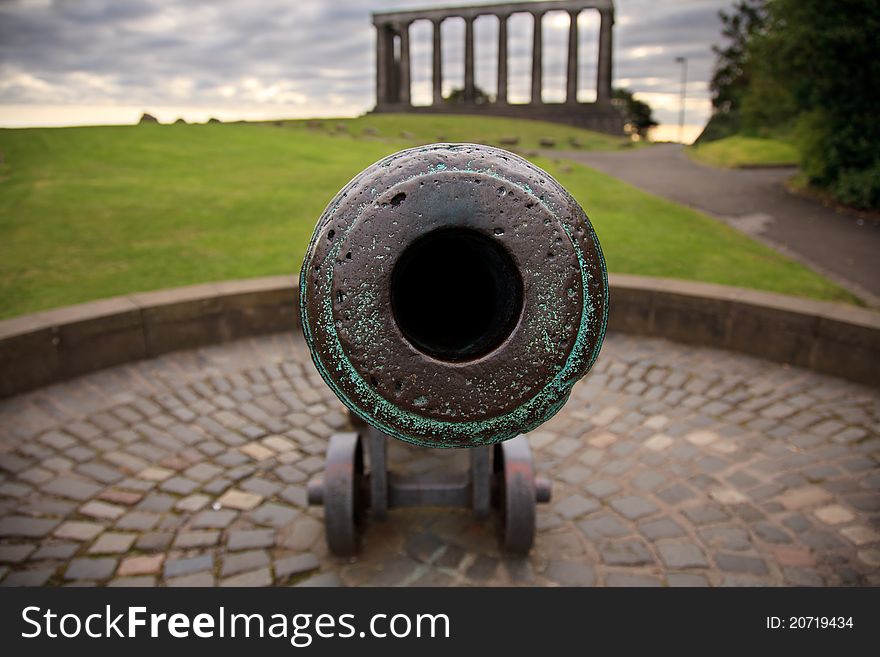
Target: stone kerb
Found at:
x=830, y=338
x=59, y=344
x=39, y=349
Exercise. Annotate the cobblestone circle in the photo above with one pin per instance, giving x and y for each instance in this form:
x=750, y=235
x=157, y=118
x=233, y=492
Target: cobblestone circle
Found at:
x=673, y=466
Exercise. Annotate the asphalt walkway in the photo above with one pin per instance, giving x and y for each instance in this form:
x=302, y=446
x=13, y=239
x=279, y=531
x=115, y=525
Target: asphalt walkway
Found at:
x=841, y=246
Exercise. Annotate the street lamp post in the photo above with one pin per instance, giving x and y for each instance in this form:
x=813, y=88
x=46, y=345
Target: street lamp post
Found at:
x=684, y=72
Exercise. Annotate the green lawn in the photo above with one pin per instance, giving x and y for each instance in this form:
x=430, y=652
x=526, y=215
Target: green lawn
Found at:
x=87, y=213
x=739, y=151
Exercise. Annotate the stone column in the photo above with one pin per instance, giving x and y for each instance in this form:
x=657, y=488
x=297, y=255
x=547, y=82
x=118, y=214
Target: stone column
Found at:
x=502, y=58
x=571, y=86
x=537, y=54
x=381, y=64
x=437, y=63
x=393, y=66
x=603, y=79
x=469, y=88
x=404, y=65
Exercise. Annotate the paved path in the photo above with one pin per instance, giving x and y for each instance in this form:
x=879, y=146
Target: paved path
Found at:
x=840, y=246
x=673, y=465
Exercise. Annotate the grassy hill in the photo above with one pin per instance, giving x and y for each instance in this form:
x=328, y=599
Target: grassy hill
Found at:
x=87, y=213
x=739, y=151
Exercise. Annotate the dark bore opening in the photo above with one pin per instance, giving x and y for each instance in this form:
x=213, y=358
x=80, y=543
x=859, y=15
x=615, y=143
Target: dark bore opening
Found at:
x=456, y=294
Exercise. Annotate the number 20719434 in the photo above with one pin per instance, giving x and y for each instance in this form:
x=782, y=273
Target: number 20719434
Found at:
x=809, y=622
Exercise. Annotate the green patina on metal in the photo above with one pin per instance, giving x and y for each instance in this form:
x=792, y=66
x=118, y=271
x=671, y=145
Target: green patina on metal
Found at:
x=408, y=425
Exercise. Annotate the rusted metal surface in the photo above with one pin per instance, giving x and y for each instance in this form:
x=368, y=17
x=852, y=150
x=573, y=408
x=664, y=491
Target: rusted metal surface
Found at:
x=377, y=444
x=516, y=494
x=453, y=294
x=481, y=481
x=342, y=492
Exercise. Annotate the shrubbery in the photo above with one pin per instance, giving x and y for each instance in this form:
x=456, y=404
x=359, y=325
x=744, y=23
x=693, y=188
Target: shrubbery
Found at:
x=859, y=187
x=810, y=66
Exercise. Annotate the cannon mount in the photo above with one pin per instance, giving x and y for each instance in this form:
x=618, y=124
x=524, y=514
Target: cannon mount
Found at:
x=501, y=478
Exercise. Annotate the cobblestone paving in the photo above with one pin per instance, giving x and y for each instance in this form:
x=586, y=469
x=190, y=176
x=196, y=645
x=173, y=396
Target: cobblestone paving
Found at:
x=672, y=465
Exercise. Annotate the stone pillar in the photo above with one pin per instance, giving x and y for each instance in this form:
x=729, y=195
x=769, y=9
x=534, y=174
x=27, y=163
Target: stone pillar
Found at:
x=393, y=66
x=437, y=63
x=381, y=64
x=603, y=79
x=404, y=65
x=469, y=88
x=502, y=58
x=537, y=54
x=571, y=85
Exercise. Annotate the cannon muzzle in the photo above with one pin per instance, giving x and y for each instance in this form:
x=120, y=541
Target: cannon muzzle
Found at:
x=453, y=294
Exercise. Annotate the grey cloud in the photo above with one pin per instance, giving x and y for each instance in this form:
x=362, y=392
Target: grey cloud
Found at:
x=185, y=51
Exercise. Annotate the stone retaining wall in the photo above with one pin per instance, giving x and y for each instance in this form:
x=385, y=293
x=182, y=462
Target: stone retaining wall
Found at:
x=41, y=348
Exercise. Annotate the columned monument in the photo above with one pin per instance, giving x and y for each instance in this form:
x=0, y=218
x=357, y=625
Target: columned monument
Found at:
x=393, y=64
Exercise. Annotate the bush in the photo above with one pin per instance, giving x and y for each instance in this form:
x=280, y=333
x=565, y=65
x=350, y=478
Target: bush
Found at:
x=859, y=187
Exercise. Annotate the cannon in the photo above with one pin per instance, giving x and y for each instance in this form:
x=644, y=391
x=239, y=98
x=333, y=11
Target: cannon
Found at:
x=451, y=296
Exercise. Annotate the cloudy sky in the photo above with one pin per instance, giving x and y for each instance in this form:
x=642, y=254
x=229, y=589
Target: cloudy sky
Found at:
x=68, y=62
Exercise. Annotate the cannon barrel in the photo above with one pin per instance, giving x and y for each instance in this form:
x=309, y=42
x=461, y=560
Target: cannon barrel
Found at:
x=453, y=294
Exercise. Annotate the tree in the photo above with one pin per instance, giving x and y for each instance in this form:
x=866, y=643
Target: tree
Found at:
x=730, y=80
x=637, y=115
x=457, y=96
